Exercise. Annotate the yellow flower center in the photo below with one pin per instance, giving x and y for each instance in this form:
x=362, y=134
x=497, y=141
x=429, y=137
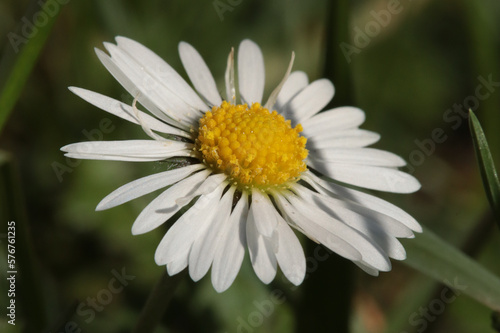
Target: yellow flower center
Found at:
x=254, y=147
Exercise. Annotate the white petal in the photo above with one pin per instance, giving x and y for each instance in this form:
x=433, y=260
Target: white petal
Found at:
x=163, y=206
x=294, y=84
x=128, y=150
x=251, y=74
x=199, y=74
x=367, y=268
x=371, y=177
x=341, y=118
x=379, y=228
x=205, y=246
x=309, y=101
x=180, y=153
x=161, y=71
x=262, y=213
x=148, y=84
x=361, y=156
x=364, y=199
x=390, y=245
x=178, y=240
x=290, y=255
x=261, y=253
x=355, y=215
x=151, y=101
x=145, y=185
x=351, y=138
x=177, y=266
x=317, y=232
x=229, y=256
x=208, y=186
x=371, y=253
x=126, y=112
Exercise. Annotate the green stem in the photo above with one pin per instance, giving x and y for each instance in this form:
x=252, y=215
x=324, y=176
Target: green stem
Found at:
x=328, y=291
x=157, y=302
x=336, y=66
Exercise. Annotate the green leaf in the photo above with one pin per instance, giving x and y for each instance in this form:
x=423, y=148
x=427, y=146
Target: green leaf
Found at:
x=438, y=259
x=22, y=51
x=486, y=165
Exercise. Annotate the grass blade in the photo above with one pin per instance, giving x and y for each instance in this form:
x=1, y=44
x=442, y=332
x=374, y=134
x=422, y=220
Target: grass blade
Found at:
x=434, y=257
x=487, y=168
x=22, y=51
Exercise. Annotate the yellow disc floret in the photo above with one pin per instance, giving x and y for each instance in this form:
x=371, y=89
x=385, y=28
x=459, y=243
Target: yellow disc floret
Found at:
x=254, y=147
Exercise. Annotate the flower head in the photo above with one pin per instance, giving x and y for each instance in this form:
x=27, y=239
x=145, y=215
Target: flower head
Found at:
x=253, y=171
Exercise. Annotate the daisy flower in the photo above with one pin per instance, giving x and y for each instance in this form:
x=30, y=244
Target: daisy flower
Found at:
x=251, y=172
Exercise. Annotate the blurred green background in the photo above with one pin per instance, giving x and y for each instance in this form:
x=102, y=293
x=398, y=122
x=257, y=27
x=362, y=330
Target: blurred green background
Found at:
x=427, y=58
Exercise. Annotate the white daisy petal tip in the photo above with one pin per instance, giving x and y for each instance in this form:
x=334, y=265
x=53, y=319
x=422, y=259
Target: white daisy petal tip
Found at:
x=329, y=88
x=137, y=230
x=101, y=206
x=175, y=267
x=266, y=276
x=411, y=184
x=309, y=101
x=184, y=47
x=223, y=284
x=387, y=267
x=123, y=39
x=296, y=278
x=182, y=201
x=195, y=274
x=98, y=51
x=367, y=268
x=418, y=228
x=158, y=259
x=401, y=256
x=74, y=89
x=220, y=288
